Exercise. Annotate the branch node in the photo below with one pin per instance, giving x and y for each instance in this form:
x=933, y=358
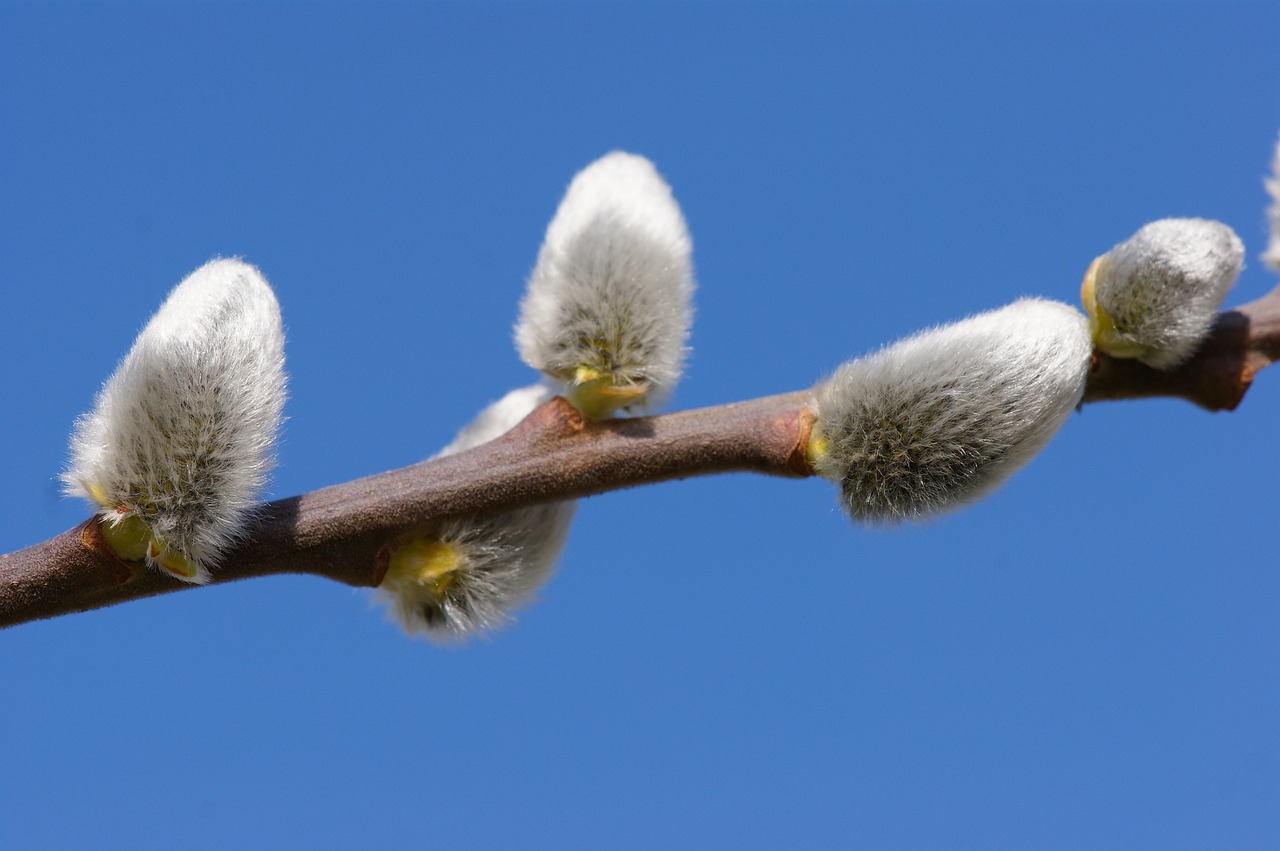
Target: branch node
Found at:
x=798, y=460
x=382, y=562
x=122, y=572
x=554, y=420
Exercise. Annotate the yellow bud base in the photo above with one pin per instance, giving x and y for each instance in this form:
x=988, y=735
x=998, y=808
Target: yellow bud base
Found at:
x=1102, y=328
x=128, y=537
x=816, y=450
x=171, y=561
x=595, y=395
x=428, y=563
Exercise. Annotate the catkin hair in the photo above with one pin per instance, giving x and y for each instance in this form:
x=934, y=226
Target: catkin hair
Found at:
x=938, y=419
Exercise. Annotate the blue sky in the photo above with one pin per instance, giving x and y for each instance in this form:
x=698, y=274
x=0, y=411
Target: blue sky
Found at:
x=1089, y=658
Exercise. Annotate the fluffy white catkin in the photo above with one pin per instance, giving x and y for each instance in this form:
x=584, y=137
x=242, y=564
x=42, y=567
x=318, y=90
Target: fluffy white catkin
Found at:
x=607, y=309
x=181, y=435
x=1154, y=296
x=470, y=573
x=1272, y=255
x=941, y=418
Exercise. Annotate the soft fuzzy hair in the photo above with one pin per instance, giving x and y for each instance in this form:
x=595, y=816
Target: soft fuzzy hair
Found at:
x=501, y=416
x=501, y=560
x=941, y=418
x=612, y=286
x=181, y=435
x=1272, y=255
x=1160, y=290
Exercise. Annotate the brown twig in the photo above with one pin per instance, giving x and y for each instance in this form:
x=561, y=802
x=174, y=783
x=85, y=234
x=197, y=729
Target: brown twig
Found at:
x=347, y=532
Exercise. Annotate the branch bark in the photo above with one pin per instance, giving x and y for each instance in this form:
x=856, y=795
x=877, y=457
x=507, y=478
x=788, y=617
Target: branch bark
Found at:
x=347, y=532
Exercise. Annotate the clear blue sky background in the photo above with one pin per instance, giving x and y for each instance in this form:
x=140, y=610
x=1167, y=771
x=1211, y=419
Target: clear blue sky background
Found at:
x=1090, y=658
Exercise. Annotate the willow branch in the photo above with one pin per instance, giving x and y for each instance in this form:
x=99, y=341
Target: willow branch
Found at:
x=347, y=532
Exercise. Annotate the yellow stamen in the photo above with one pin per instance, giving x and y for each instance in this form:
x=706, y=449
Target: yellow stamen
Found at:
x=585, y=375
x=99, y=496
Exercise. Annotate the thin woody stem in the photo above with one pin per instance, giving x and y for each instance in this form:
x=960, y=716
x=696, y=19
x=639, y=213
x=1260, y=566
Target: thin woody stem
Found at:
x=347, y=532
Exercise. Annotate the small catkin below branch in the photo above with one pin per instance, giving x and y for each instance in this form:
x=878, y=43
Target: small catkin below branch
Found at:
x=347, y=532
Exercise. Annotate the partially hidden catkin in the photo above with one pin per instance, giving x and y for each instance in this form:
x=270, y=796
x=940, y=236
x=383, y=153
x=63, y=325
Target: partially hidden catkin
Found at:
x=1155, y=296
x=467, y=575
x=939, y=419
x=1272, y=255
x=608, y=306
x=180, y=441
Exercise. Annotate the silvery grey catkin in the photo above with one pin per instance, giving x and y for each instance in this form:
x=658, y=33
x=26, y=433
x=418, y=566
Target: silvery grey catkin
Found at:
x=1155, y=296
x=937, y=420
x=179, y=442
x=607, y=309
x=605, y=316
